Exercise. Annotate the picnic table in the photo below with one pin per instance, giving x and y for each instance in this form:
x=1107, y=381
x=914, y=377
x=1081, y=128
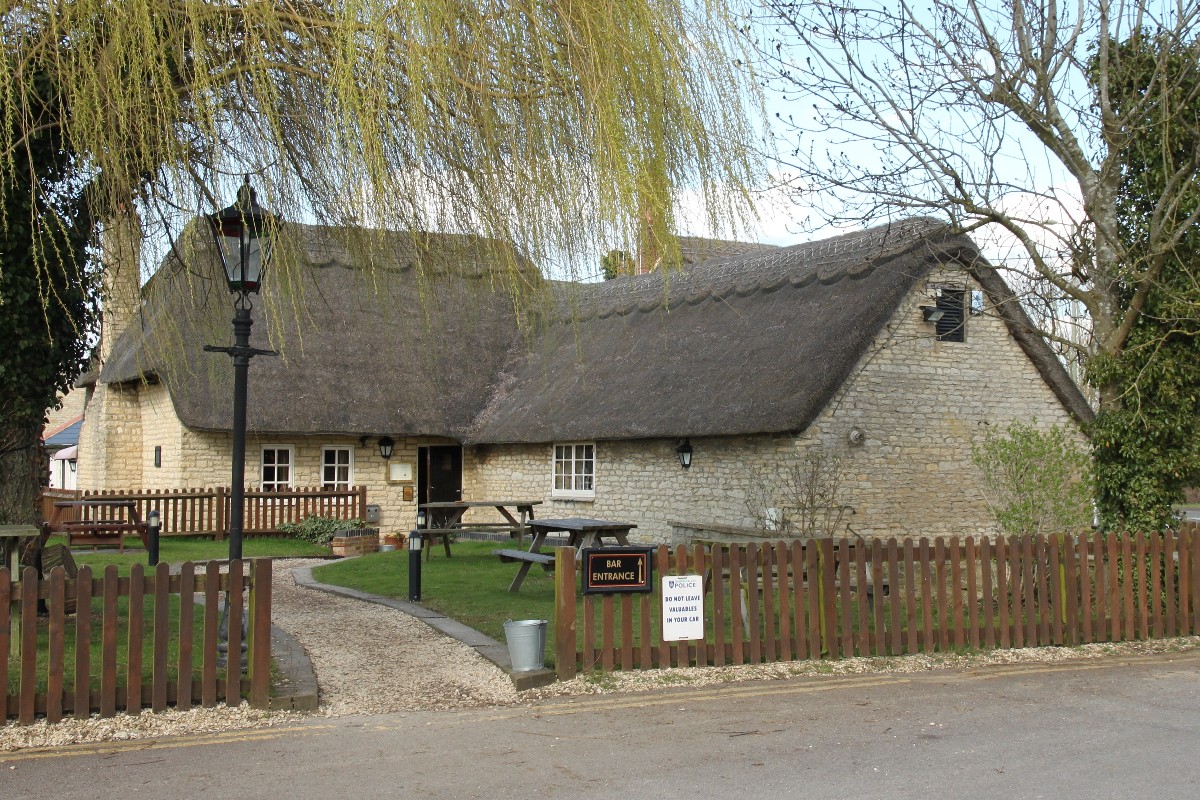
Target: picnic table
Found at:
x=444, y=519
x=581, y=533
x=101, y=521
x=13, y=538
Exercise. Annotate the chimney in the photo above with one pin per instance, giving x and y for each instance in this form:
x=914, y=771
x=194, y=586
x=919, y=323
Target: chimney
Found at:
x=649, y=253
x=120, y=255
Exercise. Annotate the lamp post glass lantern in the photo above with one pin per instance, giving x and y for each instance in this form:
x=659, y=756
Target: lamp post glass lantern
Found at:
x=243, y=232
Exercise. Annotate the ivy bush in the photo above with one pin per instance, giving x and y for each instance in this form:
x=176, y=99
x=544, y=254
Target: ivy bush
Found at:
x=319, y=530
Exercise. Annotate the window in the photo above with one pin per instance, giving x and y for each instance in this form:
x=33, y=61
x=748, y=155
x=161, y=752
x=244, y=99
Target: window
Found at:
x=951, y=327
x=575, y=471
x=276, y=474
x=337, y=467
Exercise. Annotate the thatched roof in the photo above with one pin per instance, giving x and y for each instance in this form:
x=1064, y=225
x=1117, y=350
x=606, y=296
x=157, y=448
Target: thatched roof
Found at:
x=408, y=347
x=428, y=342
x=698, y=249
x=754, y=344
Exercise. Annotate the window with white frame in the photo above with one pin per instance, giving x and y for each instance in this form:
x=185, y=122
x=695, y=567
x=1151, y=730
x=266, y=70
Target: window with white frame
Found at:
x=575, y=471
x=275, y=474
x=337, y=467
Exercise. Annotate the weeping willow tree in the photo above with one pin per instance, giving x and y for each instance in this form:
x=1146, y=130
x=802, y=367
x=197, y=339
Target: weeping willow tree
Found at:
x=547, y=123
x=555, y=125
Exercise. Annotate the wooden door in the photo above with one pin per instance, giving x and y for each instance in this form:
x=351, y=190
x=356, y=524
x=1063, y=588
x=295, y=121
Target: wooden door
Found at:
x=439, y=474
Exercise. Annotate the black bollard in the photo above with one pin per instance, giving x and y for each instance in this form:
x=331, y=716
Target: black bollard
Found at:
x=153, y=525
x=414, y=566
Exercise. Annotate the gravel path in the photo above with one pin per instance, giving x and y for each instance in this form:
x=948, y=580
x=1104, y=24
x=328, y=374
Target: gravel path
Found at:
x=371, y=659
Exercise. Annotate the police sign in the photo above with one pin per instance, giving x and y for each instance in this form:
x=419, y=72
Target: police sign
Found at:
x=682, y=608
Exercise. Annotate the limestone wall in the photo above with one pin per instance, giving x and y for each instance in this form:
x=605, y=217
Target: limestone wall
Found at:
x=919, y=404
x=110, y=440
x=207, y=456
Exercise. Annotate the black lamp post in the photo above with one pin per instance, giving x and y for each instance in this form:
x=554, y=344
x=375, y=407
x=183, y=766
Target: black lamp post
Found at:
x=243, y=234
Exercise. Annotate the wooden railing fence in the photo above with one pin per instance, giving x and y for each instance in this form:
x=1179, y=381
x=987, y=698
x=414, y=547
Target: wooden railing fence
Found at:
x=835, y=599
x=149, y=640
x=206, y=511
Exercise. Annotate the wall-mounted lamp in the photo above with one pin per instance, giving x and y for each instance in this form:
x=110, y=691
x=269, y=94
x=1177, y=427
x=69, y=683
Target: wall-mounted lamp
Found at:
x=386, y=443
x=932, y=313
x=684, y=451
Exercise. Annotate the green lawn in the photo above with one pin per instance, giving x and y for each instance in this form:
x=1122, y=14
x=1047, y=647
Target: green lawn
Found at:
x=471, y=586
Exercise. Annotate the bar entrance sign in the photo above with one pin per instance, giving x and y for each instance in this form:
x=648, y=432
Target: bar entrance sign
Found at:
x=608, y=570
x=682, y=607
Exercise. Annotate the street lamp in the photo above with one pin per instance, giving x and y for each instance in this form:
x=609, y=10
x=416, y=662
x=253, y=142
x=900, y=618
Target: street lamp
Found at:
x=243, y=235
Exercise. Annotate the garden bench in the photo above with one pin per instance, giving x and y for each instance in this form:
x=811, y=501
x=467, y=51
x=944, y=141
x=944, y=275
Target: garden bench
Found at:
x=105, y=530
x=511, y=556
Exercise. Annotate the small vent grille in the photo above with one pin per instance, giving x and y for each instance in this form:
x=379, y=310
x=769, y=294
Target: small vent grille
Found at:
x=951, y=327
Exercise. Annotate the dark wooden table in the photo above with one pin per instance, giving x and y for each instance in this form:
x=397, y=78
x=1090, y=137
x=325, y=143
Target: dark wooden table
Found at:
x=444, y=519
x=114, y=519
x=12, y=539
x=581, y=533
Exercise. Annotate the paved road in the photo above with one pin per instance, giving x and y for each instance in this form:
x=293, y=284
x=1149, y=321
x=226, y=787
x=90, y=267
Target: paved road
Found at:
x=1126, y=728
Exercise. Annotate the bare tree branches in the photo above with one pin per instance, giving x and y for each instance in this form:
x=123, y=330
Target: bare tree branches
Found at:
x=1001, y=119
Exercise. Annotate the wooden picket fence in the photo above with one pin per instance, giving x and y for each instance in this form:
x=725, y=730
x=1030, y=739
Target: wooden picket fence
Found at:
x=206, y=511
x=69, y=661
x=827, y=599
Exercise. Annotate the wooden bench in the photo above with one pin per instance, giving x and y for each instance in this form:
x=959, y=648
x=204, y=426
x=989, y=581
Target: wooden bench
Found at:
x=104, y=533
x=511, y=556
x=526, y=559
x=111, y=519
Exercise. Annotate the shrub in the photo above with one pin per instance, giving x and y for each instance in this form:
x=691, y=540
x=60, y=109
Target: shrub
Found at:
x=1035, y=481
x=319, y=530
x=804, y=499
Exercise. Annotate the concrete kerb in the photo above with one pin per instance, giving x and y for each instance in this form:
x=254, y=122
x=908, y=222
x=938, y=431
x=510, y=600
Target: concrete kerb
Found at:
x=487, y=647
x=296, y=687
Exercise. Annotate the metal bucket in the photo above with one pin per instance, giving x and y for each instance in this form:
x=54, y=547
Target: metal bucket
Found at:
x=526, y=643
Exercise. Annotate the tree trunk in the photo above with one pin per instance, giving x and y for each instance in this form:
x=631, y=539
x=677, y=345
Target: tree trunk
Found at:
x=23, y=473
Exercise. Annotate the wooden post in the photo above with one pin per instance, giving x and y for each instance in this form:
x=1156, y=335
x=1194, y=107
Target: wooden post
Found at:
x=28, y=641
x=564, y=613
x=222, y=512
x=83, y=636
x=259, y=654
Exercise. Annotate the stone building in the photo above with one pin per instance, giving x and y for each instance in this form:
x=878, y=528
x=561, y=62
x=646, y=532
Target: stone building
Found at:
x=887, y=353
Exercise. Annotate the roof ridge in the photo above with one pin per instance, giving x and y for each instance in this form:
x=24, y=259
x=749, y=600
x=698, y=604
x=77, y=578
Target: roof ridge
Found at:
x=836, y=258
